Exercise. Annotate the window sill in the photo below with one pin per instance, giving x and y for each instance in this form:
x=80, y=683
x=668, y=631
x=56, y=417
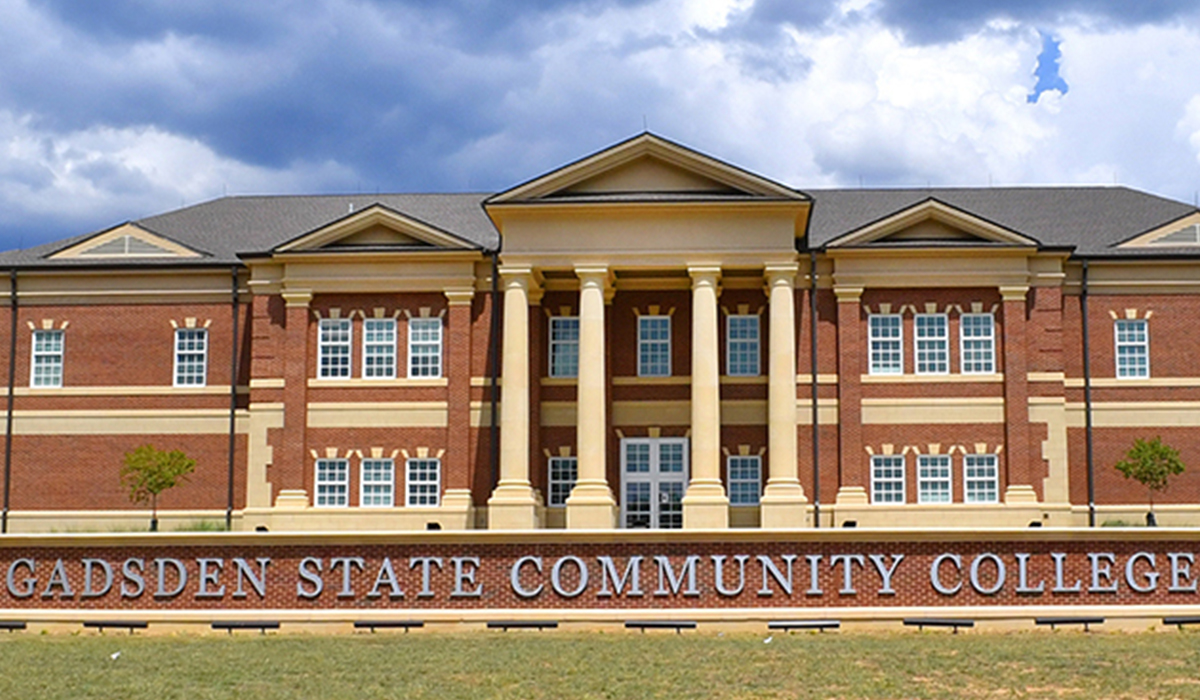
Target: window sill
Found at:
x=359, y=383
x=932, y=378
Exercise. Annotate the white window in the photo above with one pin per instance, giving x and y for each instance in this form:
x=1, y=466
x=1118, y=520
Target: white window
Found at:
x=423, y=481
x=1133, y=348
x=191, y=356
x=981, y=479
x=933, y=479
x=887, y=479
x=376, y=485
x=654, y=346
x=379, y=348
x=333, y=348
x=425, y=347
x=563, y=473
x=47, y=370
x=978, y=335
x=564, y=346
x=745, y=479
x=741, y=346
x=887, y=342
x=333, y=482
x=932, y=340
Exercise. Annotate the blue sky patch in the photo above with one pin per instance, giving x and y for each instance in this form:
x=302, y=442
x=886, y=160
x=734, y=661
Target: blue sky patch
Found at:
x=1047, y=69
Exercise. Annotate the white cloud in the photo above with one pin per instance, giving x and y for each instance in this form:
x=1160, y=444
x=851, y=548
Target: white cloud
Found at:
x=125, y=173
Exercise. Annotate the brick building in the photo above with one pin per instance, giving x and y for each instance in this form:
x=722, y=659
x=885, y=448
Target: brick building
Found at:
x=664, y=354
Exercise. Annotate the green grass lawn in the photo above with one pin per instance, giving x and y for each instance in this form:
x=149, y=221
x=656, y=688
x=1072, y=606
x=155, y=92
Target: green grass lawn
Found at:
x=603, y=665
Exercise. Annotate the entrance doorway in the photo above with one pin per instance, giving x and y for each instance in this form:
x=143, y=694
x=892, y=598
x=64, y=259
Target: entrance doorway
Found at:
x=654, y=476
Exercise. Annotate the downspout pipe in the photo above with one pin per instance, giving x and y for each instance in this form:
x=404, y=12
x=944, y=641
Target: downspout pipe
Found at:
x=1087, y=396
x=816, y=427
x=233, y=383
x=12, y=379
x=494, y=362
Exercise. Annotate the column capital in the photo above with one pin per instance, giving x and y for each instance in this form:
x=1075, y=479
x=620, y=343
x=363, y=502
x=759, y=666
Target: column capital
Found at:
x=700, y=273
x=297, y=297
x=847, y=294
x=459, y=296
x=1013, y=292
x=596, y=275
x=781, y=273
x=524, y=278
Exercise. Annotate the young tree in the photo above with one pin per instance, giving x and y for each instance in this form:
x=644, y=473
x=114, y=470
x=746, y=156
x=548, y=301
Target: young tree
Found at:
x=1152, y=464
x=149, y=471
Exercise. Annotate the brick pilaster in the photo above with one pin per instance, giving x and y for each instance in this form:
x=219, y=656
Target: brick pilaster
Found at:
x=852, y=474
x=456, y=465
x=288, y=469
x=1016, y=388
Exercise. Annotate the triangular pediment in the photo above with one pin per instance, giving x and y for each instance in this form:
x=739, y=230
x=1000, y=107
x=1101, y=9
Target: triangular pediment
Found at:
x=376, y=228
x=127, y=241
x=1181, y=233
x=647, y=165
x=933, y=223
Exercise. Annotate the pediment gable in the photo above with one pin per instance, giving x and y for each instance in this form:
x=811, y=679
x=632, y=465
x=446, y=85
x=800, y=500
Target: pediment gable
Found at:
x=376, y=228
x=648, y=165
x=127, y=241
x=1181, y=233
x=934, y=223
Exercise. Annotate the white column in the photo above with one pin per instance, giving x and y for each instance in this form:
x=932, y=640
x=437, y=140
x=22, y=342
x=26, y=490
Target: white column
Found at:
x=591, y=504
x=705, y=504
x=513, y=505
x=783, y=503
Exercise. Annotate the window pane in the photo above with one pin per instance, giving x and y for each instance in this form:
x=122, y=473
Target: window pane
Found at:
x=742, y=346
x=654, y=346
x=1133, y=348
x=424, y=481
x=933, y=479
x=47, y=370
x=564, y=346
x=981, y=483
x=333, y=482
x=887, y=479
x=978, y=344
x=745, y=480
x=379, y=348
x=377, y=483
x=191, y=356
x=425, y=347
x=886, y=340
x=563, y=473
x=932, y=343
x=333, y=348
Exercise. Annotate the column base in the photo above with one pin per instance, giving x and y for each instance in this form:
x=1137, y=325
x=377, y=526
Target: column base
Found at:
x=705, y=506
x=514, y=506
x=458, y=503
x=591, y=506
x=292, y=498
x=852, y=496
x=783, y=506
x=1020, y=494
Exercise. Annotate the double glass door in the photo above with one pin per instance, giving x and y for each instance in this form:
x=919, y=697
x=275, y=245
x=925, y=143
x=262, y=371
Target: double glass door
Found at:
x=654, y=476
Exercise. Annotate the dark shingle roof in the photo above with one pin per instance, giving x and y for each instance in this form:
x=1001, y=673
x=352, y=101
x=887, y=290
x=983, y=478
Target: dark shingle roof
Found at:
x=1093, y=220
x=227, y=227
x=1090, y=220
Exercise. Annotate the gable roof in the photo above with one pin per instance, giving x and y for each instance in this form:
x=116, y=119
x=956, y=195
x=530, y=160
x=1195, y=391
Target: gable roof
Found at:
x=948, y=219
x=232, y=226
x=1092, y=220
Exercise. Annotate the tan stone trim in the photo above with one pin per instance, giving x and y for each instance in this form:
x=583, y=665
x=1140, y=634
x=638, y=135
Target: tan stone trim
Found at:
x=399, y=414
x=360, y=383
x=87, y=287
x=935, y=211
x=760, y=379
x=1137, y=414
x=128, y=422
x=1045, y=377
x=128, y=391
x=996, y=378
x=268, y=383
x=486, y=381
x=169, y=248
x=557, y=381
x=932, y=411
x=651, y=381
x=460, y=296
x=1149, y=382
x=481, y=414
x=827, y=412
x=371, y=217
x=821, y=378
x=297, y=298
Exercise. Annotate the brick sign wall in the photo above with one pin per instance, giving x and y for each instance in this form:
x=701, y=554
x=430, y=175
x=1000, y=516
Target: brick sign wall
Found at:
x=548, y=572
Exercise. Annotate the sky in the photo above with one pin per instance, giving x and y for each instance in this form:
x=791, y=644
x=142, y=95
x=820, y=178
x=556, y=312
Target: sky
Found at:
x=117, y=110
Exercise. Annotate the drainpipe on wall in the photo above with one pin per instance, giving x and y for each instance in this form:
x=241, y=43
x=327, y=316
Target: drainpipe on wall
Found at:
x=494, y=361
x=816, y=428
x=233, y=379
x=1087, y=397
x=12, y=379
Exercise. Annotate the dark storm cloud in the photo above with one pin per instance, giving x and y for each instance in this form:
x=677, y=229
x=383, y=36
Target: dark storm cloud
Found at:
x=935, y=21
